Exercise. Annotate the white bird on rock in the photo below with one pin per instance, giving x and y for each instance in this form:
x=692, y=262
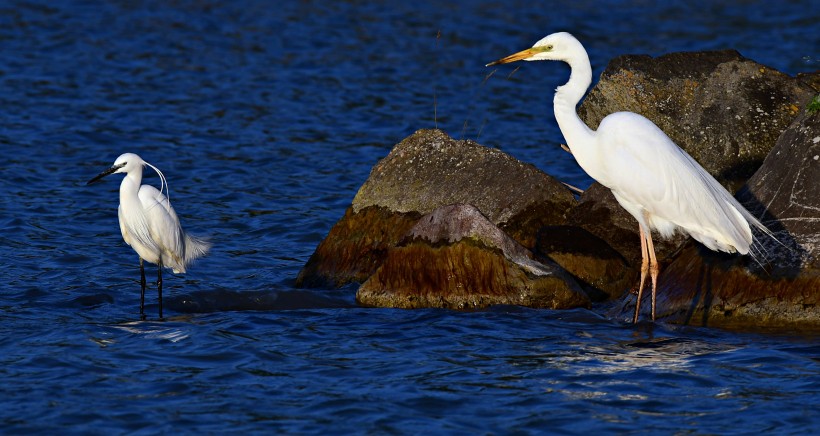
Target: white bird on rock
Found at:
x=149, y=224
x=652, y=178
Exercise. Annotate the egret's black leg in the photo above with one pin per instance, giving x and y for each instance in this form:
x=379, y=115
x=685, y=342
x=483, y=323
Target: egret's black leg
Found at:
x=159, y=285
x=142, y=293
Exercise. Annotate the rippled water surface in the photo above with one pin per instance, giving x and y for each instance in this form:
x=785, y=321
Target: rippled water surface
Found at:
x=266, y=117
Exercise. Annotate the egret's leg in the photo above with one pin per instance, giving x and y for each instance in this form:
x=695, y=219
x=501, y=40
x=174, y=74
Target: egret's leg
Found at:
x=653, y=270
x=142, y=293
x=159, y=285
x=644, y=270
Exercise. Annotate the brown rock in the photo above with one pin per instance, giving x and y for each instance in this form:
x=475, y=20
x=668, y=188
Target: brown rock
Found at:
x=726, y=111
x=456, y=258
x=812, y=79
x=707, y=289
x=601, y=270
x=429, y=170
x=355, y=247
x=425, y=171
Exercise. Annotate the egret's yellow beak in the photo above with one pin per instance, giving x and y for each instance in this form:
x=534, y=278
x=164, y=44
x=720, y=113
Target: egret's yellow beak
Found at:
x=523, y=54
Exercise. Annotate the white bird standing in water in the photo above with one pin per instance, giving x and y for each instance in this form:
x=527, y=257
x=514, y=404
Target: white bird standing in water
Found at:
x=149, y=224
x=652, y=178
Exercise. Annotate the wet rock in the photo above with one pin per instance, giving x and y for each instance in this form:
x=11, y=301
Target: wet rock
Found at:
x=423, y=172
x=726, y=111
x=454, y=257
x=601, y=270
x=355, y=247
x=429, y=170
x=706, y=288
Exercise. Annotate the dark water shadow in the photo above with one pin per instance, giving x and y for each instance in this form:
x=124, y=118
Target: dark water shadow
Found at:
x=225, y=300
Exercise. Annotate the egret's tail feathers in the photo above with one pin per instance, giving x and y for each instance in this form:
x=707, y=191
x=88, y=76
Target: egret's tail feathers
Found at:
x=195, y=247
x=757, y=249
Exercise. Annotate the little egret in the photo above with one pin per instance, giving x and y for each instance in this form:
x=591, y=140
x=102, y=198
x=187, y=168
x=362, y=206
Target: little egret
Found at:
x=652, y=178
x=149, y=224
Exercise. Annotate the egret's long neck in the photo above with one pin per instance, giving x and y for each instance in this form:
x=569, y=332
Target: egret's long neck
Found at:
x=130, y=186
x=579, y=137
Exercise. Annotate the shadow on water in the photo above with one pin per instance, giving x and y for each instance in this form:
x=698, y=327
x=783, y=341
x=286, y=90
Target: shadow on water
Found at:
x=226, y=300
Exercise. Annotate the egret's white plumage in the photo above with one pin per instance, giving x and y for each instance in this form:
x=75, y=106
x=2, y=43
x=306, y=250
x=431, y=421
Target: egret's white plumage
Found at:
x=149, y=224
x=659, y=184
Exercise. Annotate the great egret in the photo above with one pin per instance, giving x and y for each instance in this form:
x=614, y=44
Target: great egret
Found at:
x=149, y=224
x=652, y=178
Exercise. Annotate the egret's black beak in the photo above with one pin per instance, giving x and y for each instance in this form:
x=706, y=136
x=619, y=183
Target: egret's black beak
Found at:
x=105, y=173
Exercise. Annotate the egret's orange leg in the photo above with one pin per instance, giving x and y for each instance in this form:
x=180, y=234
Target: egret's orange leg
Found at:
x=653, y=269
x=644, y=270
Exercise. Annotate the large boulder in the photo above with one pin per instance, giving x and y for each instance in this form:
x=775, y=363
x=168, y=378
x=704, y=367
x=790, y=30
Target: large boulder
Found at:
x=423, y=172
x=454, y=257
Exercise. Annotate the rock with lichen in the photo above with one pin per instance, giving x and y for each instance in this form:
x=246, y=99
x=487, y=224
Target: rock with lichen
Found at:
x=425, y=171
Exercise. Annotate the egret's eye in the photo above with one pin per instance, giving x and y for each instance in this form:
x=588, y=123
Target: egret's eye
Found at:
x=549, y=47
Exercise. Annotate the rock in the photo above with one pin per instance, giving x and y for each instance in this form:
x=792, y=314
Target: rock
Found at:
x=601, y=270
x=355, y=247
x=706, y=288
x=726, y=111
x=429, y=170
x=787, y=188
x=454, y=257
x=423, y=172
x=812, y=79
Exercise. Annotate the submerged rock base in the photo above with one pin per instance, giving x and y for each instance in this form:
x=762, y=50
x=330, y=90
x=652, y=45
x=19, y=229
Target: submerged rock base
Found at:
x=455, y=258
x=355, y=247
x=715, y=290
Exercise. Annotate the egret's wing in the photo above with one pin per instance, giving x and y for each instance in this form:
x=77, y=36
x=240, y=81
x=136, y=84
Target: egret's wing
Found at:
x=136, y=232
x=125, y=235
x=645, y=167
x=164, y=226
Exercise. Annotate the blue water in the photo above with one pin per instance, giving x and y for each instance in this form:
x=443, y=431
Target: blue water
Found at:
x=266, y=117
